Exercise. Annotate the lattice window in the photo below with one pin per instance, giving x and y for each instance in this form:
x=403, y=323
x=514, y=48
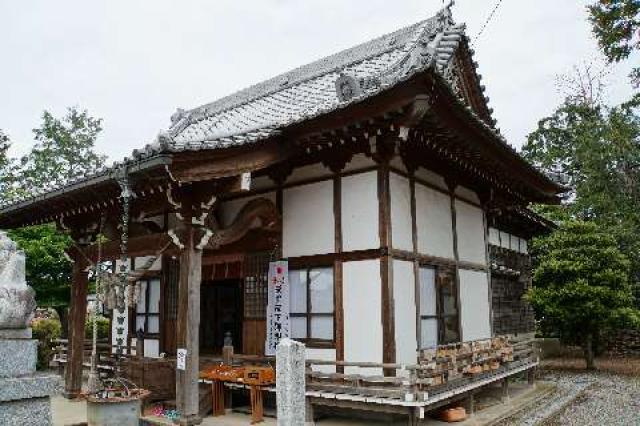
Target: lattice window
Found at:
x=256, y=270
x=171, y=288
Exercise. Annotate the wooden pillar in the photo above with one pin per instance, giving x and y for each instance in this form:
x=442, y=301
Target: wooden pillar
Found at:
x=454, y=224
x=188, y=326
x=338, y=272
x=386, y=269
x=77, y=318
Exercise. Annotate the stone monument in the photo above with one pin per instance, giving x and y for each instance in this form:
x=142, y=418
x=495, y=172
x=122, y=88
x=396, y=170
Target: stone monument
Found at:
x=24, y=394
x=290, y=384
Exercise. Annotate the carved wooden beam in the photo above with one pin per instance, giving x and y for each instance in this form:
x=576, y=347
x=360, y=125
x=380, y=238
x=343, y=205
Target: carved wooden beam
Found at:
x=228, y=162
x=261, y=209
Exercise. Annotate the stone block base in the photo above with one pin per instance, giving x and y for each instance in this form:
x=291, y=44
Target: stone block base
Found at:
x=37, y=386
x=18, y=357
x=16, y=333
x=26, y=412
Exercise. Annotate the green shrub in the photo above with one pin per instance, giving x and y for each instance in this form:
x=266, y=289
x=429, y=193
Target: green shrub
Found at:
x=45, y=331
x=103, y=327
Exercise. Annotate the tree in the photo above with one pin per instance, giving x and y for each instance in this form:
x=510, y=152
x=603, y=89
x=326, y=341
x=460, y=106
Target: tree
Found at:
x=64, y=150
x=582, y=285
x=598, y=149
x=616, y=25
x=48, y=270
x=7, y=170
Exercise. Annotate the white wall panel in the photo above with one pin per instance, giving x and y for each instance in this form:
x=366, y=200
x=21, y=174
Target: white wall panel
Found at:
x=433, y=220
x=404, y=297
x=474, y=305
x=324, y=355
x=360, y=212
x=504, y=239
x=140, y=261
x=494, y=237
x=397, y=163
x=471, y=234
x=432, y=178
x=467, y=194
x=228, y=210
x=358, y=162
x=401, y=229
x=362, y=302
x=308, y=220
x=311, y=171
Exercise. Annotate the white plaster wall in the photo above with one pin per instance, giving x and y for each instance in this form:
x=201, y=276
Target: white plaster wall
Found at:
x=433, y=220
x=362, y=303
x=311, y=171
x=431, y=177
x=471, y=235
x=467, y=194
x=360, y=212
x=401, y=229
x=324, y=355
x=397, y=163
x=156, y=266
x=359, y=162
x=514, y=243
x=504, y=239
x=308, y=220
x=228, y=210
x=474, y=305
x=151, y=347
x=405, y=312
x=494, y=237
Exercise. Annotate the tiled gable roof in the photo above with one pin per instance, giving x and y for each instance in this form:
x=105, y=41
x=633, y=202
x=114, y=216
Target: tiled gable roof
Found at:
x=261, y=110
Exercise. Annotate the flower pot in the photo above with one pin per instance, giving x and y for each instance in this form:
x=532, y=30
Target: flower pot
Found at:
x=115, y=411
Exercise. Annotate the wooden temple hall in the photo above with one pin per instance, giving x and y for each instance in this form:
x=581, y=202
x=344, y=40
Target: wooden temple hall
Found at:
x=378, y=173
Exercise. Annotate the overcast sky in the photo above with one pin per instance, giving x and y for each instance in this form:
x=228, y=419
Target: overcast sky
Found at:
x=134, y=62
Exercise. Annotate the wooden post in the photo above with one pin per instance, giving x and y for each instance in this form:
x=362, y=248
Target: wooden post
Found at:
x=505, y=389
x=77, y=318
x=470, y=403
x=187, y=395
x=386, y=270
x=531, y=376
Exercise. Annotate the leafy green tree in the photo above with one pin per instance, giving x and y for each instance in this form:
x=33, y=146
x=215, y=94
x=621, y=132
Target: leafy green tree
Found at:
x=7, y=170
x=616, y=25
x=48, y=270
x=64, y=150
x=582, y=286
x=598, y=149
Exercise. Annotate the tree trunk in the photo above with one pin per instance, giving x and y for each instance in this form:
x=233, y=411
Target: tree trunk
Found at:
x=63, y=312
x=588, y=352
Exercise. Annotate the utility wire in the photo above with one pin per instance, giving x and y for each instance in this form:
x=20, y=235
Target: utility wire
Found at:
x=493, y=12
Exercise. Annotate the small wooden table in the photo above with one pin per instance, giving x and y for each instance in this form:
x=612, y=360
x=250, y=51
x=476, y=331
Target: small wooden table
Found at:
x=255, y=396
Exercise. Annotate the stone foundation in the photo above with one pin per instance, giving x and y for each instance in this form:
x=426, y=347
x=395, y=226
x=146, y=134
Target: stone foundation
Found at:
x=24, y=394
x=623, y=342
x=26, y=412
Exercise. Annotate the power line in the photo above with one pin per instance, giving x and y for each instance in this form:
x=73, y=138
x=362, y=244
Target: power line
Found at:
x=493, y=12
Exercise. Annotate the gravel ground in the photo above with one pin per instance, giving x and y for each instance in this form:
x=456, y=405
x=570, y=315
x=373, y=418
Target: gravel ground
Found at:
x=585, y=399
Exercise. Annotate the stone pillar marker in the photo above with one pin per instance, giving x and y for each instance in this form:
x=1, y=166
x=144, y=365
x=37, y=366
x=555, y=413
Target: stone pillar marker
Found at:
x=290, y=383
x=24, y=394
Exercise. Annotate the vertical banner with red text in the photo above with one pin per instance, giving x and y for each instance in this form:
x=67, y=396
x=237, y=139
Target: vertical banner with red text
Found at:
x=278, y=306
